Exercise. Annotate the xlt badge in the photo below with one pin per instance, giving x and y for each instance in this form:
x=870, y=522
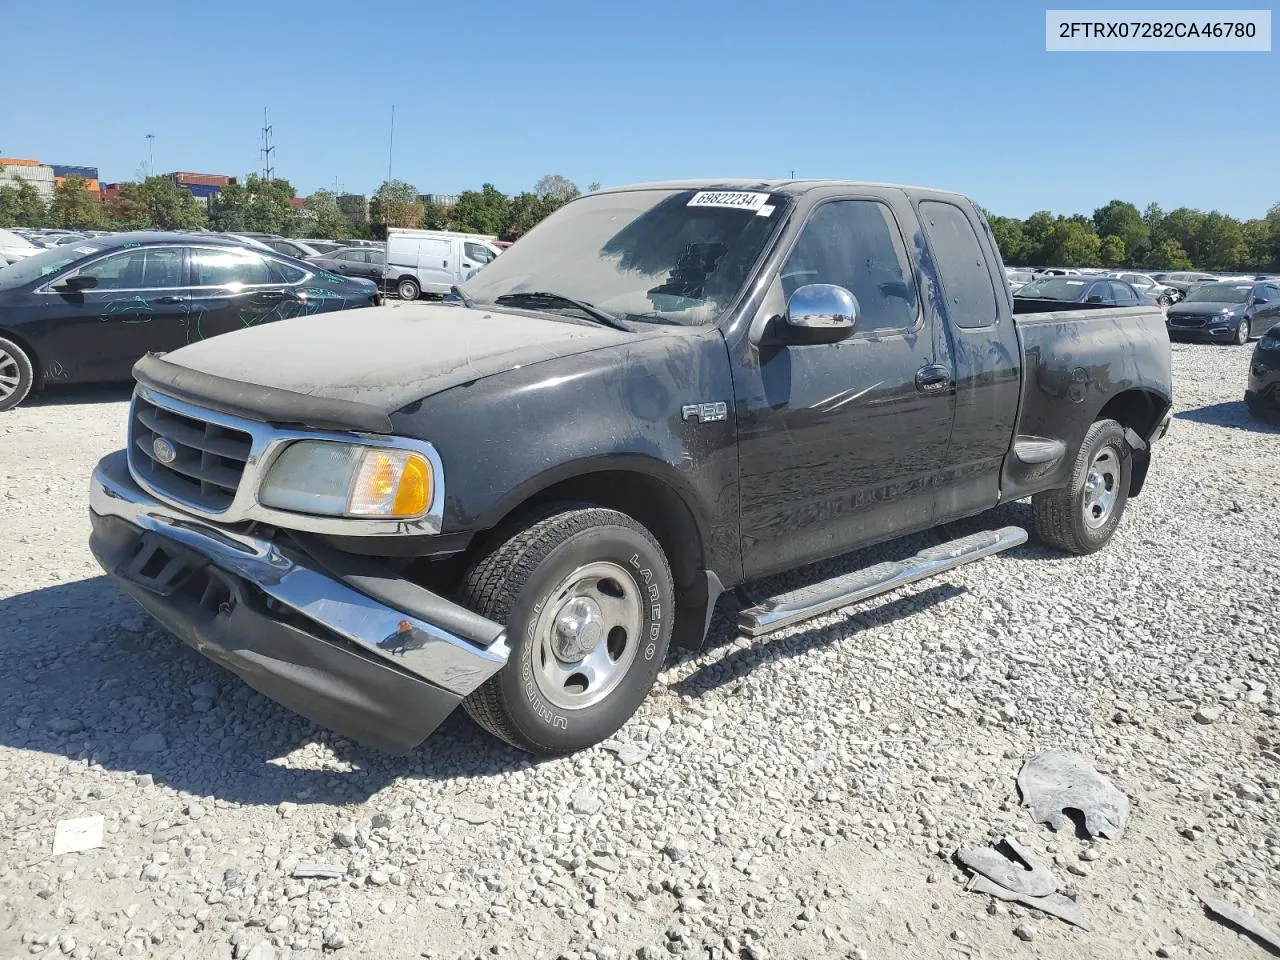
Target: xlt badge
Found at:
x=705, y=412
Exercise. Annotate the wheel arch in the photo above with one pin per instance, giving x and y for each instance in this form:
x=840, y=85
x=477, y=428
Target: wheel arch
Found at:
x=1141, y=411
x=638, y=488
x=37, y=367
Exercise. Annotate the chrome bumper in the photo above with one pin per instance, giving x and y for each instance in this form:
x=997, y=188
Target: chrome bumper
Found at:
x=373, y=629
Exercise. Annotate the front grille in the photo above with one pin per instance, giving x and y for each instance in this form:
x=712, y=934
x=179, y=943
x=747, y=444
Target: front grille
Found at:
x=210, y=458
x=1182, y=320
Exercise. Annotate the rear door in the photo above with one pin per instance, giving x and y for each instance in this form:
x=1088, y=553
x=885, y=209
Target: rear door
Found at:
x=234, y=288
x=139, y=304
x=984, y=353
x=438, y=263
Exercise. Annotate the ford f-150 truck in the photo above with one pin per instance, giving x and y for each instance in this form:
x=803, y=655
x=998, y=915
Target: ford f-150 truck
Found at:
x=518, y=499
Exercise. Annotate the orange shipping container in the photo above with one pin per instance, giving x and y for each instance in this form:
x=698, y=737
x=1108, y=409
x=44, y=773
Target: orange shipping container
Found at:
x=88, y=184
x=15, y=162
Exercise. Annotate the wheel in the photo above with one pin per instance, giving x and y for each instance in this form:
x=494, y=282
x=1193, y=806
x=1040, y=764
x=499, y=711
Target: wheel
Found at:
x=16, y=376
x=408, y=289
x=1242, y=333
x=588, y=600
x=1081, y=517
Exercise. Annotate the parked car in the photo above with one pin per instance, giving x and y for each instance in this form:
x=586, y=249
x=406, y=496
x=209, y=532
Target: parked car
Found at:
x=14, y=247
x=1055, y=272
x=324, y=247
x=1104, y=291
x=1262, y=396
x=1184, y=280
x=1226, y=311
x=1018, y=278
x=367, y=262
x=518, y=501
x=84, y=312
x=290, y=248
x=1149, y=287
x=433, y=261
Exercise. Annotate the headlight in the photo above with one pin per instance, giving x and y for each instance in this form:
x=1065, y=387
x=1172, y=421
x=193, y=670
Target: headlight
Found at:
x=344, y=479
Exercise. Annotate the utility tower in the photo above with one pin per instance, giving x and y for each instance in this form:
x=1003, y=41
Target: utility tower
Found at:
x=267, y=150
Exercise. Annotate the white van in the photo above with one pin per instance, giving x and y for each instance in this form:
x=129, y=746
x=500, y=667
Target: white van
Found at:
x=432, y=261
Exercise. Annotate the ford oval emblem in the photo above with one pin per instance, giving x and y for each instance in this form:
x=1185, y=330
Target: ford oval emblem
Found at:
x=164, y=450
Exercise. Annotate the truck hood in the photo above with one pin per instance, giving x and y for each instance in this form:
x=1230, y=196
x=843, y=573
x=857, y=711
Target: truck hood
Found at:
x=388, y=357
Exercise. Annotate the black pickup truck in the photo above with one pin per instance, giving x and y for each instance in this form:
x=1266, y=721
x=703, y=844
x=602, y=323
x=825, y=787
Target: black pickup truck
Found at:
x=517, y=500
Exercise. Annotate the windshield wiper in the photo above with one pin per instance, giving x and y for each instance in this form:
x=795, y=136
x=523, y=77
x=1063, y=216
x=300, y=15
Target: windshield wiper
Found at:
x=595, y=313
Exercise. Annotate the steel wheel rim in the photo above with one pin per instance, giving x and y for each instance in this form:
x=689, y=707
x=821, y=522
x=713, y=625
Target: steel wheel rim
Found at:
x=1101, y=487
x=10, y=375
x=408, y=291
x=586, y=635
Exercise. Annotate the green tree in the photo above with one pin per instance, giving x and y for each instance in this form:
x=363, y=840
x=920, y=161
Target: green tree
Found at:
x=21, y=206
x=1168, y=255
x=523, y=213
x=1257, y=241
x=1182, y=225
x=481, y=211
x=1220, y=243
x=1113, y=251
x=171, y=206
x=1009, y=238
x=255, y=205
x=396, y=204
x=1036, y=231
x=1122, y=220
x=75, y=207
x=129, y=209
x=1072, y=243
x=324, y=218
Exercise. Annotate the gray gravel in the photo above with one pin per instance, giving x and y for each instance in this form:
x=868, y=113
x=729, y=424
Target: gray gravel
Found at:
x=798, y=797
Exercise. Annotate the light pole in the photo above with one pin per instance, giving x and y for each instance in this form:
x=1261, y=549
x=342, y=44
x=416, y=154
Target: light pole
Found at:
x=151, y=153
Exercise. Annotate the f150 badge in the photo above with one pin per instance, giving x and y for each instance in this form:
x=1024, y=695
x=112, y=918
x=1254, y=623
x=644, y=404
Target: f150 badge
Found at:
x=705, y=412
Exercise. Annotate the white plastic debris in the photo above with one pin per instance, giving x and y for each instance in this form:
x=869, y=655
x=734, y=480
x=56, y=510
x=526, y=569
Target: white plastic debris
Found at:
x=1056, y=781
x=78, y=834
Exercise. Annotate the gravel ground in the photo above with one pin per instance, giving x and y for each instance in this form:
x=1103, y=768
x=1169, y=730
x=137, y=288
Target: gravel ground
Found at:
x=797, y=797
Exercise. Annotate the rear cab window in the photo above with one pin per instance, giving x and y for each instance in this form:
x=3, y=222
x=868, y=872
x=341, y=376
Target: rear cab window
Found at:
x=961, y=263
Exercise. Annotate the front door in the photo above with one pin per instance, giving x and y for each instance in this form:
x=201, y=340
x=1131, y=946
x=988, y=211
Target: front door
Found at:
x=138, y=304
x=840, y=444
x=234, y=288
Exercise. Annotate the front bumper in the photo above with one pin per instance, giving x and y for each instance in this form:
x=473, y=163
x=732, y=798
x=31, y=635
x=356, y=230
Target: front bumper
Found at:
x=1263, y=391
x=289, y=628
x=1217, y=331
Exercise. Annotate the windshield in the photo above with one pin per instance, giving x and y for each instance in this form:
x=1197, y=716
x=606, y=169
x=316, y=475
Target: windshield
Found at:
x=1220, y=293
x=1054, y=288
x=44, y=263
x=11, y=239
x=658, y=256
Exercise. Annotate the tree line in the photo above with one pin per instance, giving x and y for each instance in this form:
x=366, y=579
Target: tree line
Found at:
x=1117, y=235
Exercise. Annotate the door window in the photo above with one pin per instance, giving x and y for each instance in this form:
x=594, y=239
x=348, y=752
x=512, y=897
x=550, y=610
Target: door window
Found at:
x=353, y=256
x=140, y=269
x=1100, y=292
x=961, y=263
x=286, y=272
x=856, y=244
x=227, y=268
x=1122, y=294
x=285, y=247
x=478, y=252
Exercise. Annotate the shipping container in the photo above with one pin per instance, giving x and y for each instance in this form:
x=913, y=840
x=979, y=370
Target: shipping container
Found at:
x=201, y=190
x=70, y=170
x=90, y=183
x=15, y=162
x=204, y=179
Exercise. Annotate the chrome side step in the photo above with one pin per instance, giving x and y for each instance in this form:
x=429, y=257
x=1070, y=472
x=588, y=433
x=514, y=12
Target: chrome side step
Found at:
x=812, y=601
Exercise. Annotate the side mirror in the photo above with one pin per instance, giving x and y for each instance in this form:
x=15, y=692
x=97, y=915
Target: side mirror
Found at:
x=1261, y=300
x=1094, y=299
x=820, y=313
x=75, y=283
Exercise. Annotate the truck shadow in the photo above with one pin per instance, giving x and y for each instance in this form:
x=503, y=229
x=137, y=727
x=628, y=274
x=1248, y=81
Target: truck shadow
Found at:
x=1231, y=413
x=87, y=674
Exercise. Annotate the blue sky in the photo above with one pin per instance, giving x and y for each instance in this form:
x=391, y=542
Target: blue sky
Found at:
x=954, y=95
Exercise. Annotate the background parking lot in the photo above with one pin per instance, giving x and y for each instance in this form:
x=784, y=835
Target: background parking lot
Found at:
x=796, y=797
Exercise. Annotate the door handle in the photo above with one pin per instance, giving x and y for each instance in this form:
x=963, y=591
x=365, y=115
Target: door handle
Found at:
x=272, y=295
x=174, y=299
x=934, y=378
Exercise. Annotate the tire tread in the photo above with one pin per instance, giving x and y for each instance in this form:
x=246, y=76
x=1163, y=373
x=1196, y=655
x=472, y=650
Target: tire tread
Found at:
x=1053, y=511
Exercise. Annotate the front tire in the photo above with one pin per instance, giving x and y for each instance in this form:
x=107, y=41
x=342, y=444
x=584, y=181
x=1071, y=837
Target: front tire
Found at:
x=1242, y=333
x=1082, y=517
x=16, y=375
x=588, y=600
x=408, y=289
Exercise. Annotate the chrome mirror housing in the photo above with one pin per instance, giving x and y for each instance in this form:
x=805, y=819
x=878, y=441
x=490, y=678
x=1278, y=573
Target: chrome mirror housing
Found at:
x=820, y=313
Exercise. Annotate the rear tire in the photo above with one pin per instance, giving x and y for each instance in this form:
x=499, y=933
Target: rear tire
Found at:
x=1082, y=517
x=16, y=374
x=408, y=289
x=589, y=604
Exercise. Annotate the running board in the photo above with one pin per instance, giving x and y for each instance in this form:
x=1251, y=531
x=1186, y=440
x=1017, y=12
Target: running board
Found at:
x=812, y=601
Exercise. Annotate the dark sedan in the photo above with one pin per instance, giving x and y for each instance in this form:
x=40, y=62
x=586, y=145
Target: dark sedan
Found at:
x=85, y=312
x=367, y=262
x=1263, y=394
x=1227, y=312
x=1106, y=291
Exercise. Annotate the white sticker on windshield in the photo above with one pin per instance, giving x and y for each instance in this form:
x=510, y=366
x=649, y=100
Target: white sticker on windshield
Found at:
x=765, y=210
x=733, y=199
